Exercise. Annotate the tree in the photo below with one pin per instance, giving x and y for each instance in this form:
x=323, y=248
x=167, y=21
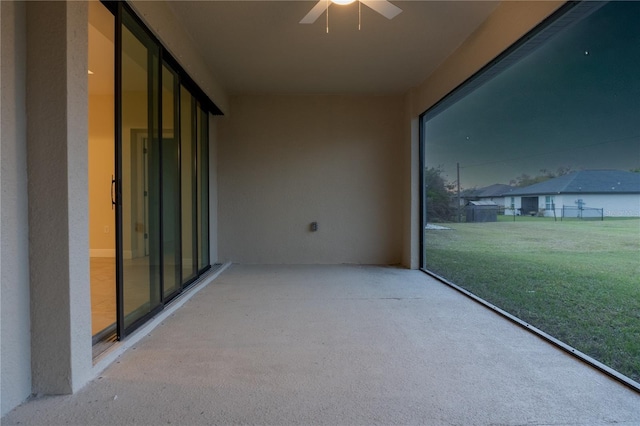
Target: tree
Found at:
x=526, y=180
x=438, y=196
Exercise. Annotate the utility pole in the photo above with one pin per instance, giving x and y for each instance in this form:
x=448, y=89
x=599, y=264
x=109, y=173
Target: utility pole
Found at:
x=458, y=180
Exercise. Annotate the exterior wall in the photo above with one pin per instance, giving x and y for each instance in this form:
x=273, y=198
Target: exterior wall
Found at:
x=542, y=200
x=287, y=161
x=517, y=204
x=614, y=205
x=57, y=37
x=14, y=250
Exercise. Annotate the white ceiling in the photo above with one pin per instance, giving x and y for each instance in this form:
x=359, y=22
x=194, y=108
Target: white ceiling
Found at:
x=259, y=46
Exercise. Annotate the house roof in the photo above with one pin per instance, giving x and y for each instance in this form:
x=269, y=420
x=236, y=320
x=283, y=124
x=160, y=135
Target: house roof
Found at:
x=495, y=190
x=586, y=182
x=482, y=203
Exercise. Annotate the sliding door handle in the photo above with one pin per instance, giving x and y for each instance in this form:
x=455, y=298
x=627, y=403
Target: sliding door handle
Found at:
x=113, y=184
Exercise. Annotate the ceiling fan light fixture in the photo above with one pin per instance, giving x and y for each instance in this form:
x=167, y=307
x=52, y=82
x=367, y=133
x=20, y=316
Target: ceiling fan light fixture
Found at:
x=383, y=7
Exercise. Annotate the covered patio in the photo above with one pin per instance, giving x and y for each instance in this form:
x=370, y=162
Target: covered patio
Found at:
x=337, y=345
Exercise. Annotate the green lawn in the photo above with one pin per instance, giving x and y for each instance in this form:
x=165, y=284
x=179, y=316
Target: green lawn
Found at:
x=576, y=280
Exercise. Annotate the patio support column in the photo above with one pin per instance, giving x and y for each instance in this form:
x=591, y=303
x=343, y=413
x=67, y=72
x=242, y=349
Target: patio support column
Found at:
x=57, y=37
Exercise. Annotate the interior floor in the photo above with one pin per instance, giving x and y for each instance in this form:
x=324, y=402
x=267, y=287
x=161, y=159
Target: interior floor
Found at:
x=103, y=293
x=103, y=288
x=338, y=345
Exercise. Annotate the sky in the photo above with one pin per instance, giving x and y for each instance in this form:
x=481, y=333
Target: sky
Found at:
x=574, y=102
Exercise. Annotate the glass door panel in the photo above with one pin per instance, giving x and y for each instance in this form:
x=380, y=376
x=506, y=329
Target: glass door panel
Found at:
x=203, y=189
x=139, y=173
x=162, y=171
x=101, y=137
x=170, y=184
x=188, y=185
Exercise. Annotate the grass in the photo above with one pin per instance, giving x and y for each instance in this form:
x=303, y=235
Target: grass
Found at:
x=576, y=280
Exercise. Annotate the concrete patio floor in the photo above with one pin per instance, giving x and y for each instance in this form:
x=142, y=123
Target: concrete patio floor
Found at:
x=338, y=345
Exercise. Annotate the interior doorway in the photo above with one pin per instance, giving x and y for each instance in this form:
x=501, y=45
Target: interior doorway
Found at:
x=101, y=147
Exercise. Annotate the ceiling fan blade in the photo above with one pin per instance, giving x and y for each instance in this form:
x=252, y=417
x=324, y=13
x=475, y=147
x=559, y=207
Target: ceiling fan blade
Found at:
x=383, y=7
x=315, y=13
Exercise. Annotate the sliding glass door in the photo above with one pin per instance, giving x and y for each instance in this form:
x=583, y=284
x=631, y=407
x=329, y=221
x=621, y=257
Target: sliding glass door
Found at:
x=170, y=183
x=162, y=175
x=203, y=189
x=189, y=196
x=139, y=172
x=101, y=143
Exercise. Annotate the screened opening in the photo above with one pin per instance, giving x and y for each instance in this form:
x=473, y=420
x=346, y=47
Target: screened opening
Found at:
x=545, y=144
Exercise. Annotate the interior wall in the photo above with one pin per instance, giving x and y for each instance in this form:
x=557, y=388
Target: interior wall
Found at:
x=134, y=128
x=287, y=161
x=14, y=250
x=101, y=170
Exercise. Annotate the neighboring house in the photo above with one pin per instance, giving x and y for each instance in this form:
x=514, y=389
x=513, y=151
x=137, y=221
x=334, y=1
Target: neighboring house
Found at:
x=617, y=192
x=498, y=193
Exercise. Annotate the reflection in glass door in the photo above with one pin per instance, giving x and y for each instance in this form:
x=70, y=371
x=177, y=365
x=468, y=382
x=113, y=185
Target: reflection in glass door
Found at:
x=203, y=186
x=188, y=185
x=162, y=162
x=139, y=173
x=170, y=184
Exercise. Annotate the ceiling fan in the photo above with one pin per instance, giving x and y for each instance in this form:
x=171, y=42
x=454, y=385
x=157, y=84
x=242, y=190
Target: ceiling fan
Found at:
x=383, y=7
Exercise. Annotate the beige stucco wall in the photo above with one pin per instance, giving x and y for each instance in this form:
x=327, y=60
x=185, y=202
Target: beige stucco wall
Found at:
x=57, y=155
x=287, y=161
x=410, y=189
x=15, y=361
x=508, y=23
